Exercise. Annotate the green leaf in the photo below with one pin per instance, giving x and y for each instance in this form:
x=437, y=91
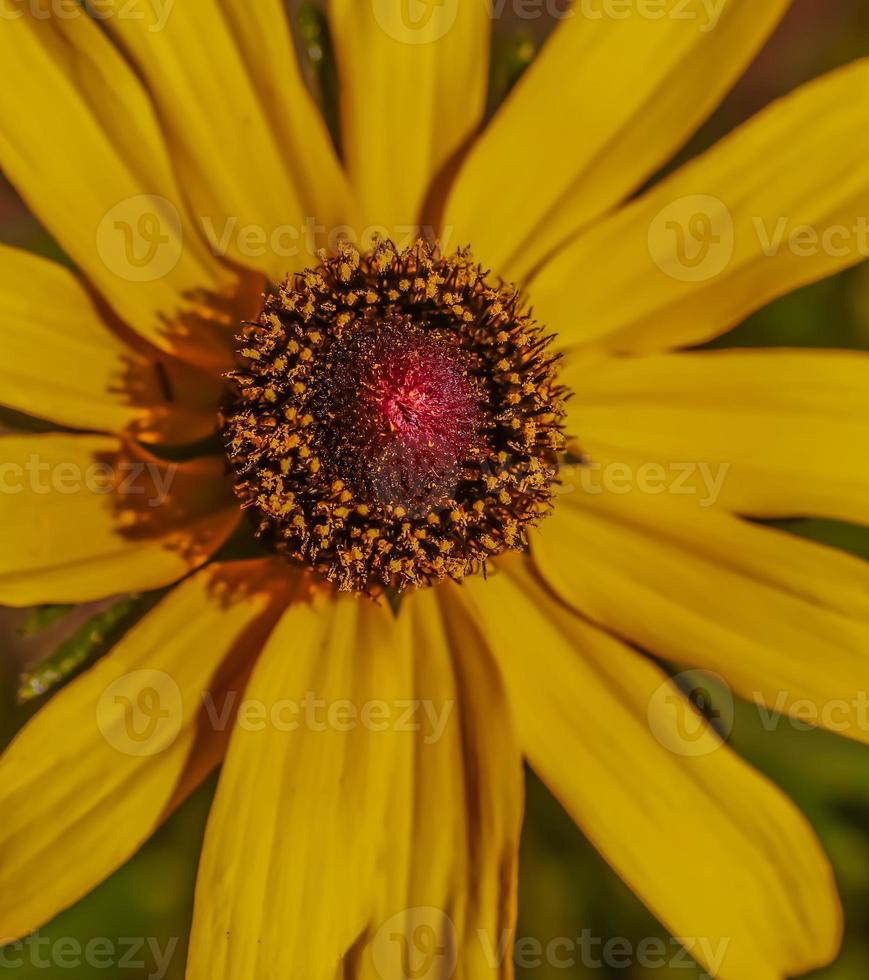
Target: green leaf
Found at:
x=85, y=646
x=41, y=617
x=320, y=56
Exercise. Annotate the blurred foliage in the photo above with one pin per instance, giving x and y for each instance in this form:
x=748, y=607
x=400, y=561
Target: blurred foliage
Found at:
x=565, y=886
x=41, y=617
x=318, y=61
x=511, y=56
x=83, y=647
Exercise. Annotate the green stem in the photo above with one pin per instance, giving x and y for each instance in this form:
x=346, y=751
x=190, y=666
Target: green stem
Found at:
x=85, y=646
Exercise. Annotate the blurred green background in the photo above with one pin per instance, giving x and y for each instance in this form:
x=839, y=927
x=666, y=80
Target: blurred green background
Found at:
x=565, y=887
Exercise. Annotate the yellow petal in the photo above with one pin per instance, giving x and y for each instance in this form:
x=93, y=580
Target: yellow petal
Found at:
x=84, y=517
x=227, y=153
x=64, y=85
x=466, y=786
x=777, y=204
x=413, y=829
x=783, y=620
x=763, y=433
x=671, y=815
x=413, y=91
x=607, y=101
x=60, y=361
x=98, y=769
x=263, y=37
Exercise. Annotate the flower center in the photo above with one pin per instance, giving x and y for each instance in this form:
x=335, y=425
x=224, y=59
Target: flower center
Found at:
x=395, y=420
x=397, y=414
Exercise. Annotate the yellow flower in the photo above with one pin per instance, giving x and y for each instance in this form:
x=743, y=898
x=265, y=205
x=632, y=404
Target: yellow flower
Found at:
x=371, y=791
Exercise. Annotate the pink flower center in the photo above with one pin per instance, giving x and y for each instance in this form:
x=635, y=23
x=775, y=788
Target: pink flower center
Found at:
x=403, y=416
